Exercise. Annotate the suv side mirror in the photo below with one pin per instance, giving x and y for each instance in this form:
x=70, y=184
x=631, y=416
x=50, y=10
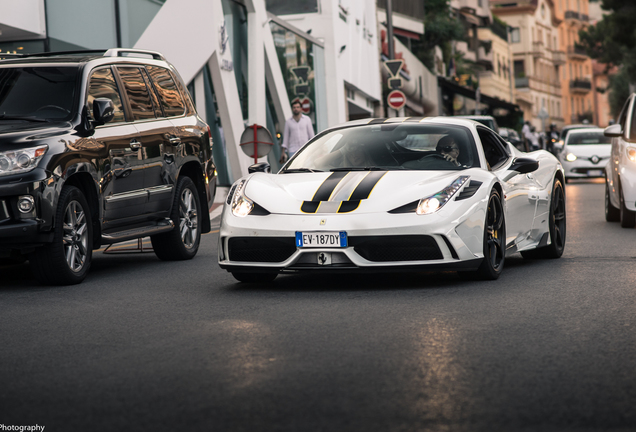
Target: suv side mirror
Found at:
x=260, y=167
x=613, y=131
x=103, y=110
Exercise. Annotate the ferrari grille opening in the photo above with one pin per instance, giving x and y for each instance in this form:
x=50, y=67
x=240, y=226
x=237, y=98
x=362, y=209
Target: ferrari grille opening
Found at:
x=396, y=248
x=261, y=249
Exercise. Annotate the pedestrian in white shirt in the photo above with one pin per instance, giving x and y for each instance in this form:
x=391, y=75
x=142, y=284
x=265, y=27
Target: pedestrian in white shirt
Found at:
x=298, y=130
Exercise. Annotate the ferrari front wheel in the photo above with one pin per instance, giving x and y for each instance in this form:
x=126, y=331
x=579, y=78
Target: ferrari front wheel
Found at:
x=494, y=241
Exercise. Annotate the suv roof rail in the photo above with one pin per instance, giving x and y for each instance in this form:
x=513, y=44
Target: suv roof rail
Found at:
x=121, y=52
x=52, y=53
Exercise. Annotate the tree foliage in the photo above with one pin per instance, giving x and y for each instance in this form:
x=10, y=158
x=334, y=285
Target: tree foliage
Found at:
x=441, y=27
x=612, y=40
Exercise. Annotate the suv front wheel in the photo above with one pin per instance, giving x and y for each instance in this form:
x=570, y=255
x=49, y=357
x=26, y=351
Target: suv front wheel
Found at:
x=66, y=260
x=182, y=242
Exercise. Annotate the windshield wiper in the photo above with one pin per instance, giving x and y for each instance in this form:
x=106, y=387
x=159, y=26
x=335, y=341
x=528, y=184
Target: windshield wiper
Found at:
x=297, y=170
x=27, y=118
x=357, y=169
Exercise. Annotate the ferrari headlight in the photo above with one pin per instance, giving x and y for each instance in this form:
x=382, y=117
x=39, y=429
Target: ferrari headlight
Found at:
x=241, y=205
x=21, y=161
x=571, y=157
x=631, y=153
x=435, y=202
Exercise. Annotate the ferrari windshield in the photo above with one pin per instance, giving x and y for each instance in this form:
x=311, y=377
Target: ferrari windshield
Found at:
x=388, y=147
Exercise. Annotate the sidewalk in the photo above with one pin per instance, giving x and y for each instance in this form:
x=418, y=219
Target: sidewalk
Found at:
x=219, y=198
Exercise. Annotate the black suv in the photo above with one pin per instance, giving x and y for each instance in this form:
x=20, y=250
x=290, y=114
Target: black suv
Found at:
x=98, y=148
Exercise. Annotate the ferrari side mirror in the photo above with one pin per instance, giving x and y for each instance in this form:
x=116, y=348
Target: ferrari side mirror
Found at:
x=521, y=166
x=524, y=165
x=263, y=167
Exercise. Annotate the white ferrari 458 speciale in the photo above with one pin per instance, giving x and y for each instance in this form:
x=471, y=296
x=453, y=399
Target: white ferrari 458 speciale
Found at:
x=399, y=194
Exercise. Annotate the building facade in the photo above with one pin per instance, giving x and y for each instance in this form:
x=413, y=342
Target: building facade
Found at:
x=576, y=76
x=348, y=30
x=537, y=58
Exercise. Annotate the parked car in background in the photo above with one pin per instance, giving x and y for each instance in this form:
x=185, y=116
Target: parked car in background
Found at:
x=565, y=131
x=620, y=173
x=483, y=119
x=585, y=153
x=98, y=148
x=512, y=137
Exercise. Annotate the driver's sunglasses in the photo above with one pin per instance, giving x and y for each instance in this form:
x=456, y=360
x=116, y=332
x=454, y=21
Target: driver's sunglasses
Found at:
x=450, y=148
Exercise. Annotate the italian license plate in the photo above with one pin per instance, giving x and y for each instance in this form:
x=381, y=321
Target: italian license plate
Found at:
x=321, y=239
x=595, y=173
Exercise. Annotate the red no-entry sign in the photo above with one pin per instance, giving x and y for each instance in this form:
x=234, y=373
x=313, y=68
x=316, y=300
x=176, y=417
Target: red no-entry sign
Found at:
x=396, y=99
x=306, y=105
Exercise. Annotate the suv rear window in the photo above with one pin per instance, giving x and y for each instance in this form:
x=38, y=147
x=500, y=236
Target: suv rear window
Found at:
x=40, y=92
x=138, y=95
x=169, y=96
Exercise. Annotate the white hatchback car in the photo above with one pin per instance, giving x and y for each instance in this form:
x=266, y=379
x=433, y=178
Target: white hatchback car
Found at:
x=585, y=153
x=620, y=173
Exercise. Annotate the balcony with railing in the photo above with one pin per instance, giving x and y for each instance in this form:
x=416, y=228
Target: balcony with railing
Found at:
x=539, y=83
x=577, y=52
x=522, y=82
x=558, y=57
x=574, y=15
x=500, y=30
x=537, y=49
x=580, y=85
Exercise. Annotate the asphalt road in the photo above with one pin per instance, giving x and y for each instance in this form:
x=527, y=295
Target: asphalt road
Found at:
x=144, y=345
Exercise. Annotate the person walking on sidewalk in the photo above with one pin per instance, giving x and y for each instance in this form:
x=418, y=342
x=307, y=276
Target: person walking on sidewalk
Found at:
x=298, y=130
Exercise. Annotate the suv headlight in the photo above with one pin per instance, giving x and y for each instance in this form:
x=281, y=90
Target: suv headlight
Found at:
x=631, y=153
x=21, y=161
x=241, y=205
x=435, y=202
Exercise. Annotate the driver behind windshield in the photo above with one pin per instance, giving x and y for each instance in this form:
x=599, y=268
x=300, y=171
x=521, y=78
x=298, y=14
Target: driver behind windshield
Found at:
x=447, y=147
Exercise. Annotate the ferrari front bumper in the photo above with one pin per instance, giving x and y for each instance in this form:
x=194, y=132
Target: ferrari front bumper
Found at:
x=451, y=239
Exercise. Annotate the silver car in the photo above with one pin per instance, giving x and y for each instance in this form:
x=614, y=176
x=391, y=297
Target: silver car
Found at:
x=585, y=153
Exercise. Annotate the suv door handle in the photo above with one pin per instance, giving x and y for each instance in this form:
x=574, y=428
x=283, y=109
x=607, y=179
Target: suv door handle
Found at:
x=135, y=145
x=172, y=139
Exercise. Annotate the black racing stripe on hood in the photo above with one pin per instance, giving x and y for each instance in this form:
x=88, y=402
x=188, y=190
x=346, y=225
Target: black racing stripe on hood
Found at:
x=363, y=190
x=309, y=206
x=348, y=206
x=326, y=188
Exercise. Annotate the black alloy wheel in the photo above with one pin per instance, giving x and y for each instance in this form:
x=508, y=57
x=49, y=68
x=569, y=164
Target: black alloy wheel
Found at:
x=182, y=243
x=66, y=260
x=557, y=227
x=612, y=214
x=494, y=241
